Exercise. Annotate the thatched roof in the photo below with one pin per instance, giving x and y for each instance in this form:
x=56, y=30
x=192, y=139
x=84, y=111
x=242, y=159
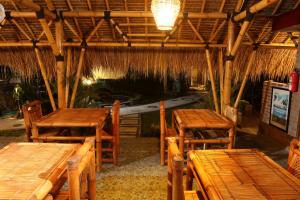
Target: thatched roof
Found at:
x=141, y=31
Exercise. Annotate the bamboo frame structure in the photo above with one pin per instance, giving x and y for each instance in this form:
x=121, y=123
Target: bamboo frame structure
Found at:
x=68, y=68
x=212, y=80
x=221, y=75
x=78, y=76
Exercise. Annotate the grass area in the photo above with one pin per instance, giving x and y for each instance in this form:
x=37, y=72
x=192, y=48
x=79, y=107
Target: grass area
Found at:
x=150, y=121
x=12, y=133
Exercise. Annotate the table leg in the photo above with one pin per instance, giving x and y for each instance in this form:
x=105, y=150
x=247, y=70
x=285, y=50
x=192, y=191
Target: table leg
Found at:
x=181, y=140
x=231, y=138
x=35, y=134
x=98, y=149
x=189, y=176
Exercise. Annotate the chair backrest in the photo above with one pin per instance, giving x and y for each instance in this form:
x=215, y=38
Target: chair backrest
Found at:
x=175, y=171
x=116, y=118
x=81, y=172
x=31, y=111
x=231, y=113
x=294, y=158
x=163, y=124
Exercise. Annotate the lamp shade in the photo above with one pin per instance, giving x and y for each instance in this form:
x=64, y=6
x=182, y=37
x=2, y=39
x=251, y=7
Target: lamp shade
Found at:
x=165, y=13
x=2, y=13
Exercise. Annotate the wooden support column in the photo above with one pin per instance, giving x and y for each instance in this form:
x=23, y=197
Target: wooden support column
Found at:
x=212, y=80
x=221, y=75
x=246, y=75
x=228, y=63
x=60, y=65
x=78, y=76
x=68, y=75
x=44, y=75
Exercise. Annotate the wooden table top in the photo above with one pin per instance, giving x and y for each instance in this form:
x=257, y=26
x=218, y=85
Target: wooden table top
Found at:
x=74, y=117
x=243, y=174
x=26, y=169
x=201, y=118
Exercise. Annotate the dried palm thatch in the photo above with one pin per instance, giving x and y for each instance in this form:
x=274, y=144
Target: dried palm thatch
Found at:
x=271, y=63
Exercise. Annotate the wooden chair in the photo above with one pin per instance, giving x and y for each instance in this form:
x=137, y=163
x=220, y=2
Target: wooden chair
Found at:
x=113, y=137
x=165, y=132
x=81, y=174
x=294, y=158
x=33, y=111
x=175, y=174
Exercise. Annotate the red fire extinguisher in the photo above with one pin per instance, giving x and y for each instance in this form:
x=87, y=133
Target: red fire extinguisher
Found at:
x=294, y=81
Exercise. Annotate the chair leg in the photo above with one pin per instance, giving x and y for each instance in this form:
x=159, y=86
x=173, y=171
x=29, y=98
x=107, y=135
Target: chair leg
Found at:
x=115, y=151
x=162, y=150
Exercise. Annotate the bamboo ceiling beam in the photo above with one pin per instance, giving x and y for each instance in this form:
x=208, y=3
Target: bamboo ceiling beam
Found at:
x=142, y=14
x=109, y=23
x=35, y=7
x=71, y=29
x=93, y=19
x=277, y=7
x=172, y=31
x=239, y=6
x=146, y=19
x=43, y=32
x=246, y=75
x=217, y=21
x=75, y=20
x=199, y=20
x=195, y=31
x=127, y=18
x=146, y=35
x=214, y=35
x=2, y=38
x=250, y=38
x=264, y=31
x=49, y=36
x=296, y=6
x=137, y=24
x=50, y=5
x=182, y=8
x=240, y=37
x=254, y=9
x=115, y=25
x=20, y=29
x=44, y=75
x=95, y=30
x=78, y=76
x=23, y=19
x=212, y=80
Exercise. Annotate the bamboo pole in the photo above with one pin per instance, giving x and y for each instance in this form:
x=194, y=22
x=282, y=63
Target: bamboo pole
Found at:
x=173, y=31
x=213, y=36
x=254, y=9
x=43, y=32
x=221, y=75
x=251, y=59
x=240, y=37
x=212, y=80
x=77, y=78
x=44, y=75
x=68, y=75
x=60, y=66
x=20, y=29
x=228, y=64
x=30, y=4
x=95, y=30
x=195, y=31
x=72, y=29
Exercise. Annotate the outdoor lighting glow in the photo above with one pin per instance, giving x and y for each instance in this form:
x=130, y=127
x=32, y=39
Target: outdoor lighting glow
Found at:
x=165, y=13
x=87, y=81
x=2, y=13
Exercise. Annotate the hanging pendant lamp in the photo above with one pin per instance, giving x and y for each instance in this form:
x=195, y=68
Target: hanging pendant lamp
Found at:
x=165, y=13
x=2, y=13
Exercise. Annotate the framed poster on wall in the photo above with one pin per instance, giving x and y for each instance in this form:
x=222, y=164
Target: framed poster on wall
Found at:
x=280, y=108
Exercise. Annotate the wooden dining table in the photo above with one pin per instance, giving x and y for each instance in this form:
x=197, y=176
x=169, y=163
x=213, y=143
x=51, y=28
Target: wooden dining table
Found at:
x=75, y=117
x=185, y=119
x=32, y=170
x=239, y=174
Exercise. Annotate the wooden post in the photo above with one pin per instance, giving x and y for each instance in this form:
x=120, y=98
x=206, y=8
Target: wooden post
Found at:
x=212, y=80
x=221, y=75
x=60, y=66
x=44, y=75
x=177, y=181
x=228, y=63
x=251, y=59
x=78, y=76
x=68, y=75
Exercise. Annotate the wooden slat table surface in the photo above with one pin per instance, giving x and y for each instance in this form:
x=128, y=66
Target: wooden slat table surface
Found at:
x=201, y=118
x=28, y=170
x=77, y=117
x=242, y=174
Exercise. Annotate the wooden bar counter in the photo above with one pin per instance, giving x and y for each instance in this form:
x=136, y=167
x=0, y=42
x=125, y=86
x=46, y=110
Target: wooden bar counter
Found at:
x=75, y=117
x=240, y=174
x=31, y=170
